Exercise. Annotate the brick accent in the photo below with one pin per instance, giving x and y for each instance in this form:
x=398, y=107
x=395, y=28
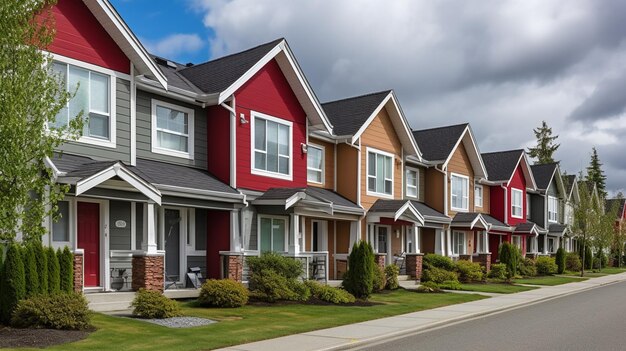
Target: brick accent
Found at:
x=78, y=272
x=148, y=272
x=234, y=270
x=484, y=259
x=414, y=265
x=465, y=257
x=380, y=260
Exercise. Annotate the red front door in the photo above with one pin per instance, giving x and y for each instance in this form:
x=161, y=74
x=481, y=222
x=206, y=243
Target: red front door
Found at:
x=89, y=241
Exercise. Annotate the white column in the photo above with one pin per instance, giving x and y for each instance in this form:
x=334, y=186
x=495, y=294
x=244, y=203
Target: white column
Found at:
x=417, y=244
x=448, y=242
x=545, y=244
x=149, y=243
x=235, y=238
x=486, y=241
x=354, y=233
x=439, y=241
x=294, y=228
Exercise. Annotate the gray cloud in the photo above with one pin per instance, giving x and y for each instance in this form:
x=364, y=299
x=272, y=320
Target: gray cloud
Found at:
x=608, y=100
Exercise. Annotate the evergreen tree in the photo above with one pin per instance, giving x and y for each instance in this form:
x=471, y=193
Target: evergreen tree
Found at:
x=66, y=262
x=13, y=283
x=42, y=265
x=543, y=152
x=31, y=271
x=358, y=280
x=54, y=283
x=595, y=174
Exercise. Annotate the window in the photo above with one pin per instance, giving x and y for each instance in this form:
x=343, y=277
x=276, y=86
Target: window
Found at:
x=460, y=192
x=527, y=205
x=516, y=203
x=172, y=129
x=271, y=141
x=553, y=205
x=411, y=182
x=551, y=247
x=92, y=97
x=315, y=164
x=61, y=228
x=273, y=234
x=530, y=244
x=478, y=195
x=458, y=243
x=517, y=241
x=379, y=173
x=481, y=242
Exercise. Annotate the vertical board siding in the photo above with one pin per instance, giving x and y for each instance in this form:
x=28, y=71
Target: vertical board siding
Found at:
x=329, y=164
x=460, y=164
x=497, y=206
x=347, y=171
x=434, y=190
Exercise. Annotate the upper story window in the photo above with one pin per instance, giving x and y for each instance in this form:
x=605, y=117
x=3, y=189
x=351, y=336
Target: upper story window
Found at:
x=553, y=209
x=459, y=194
x=379, y=172
x=411, y=182
x=315, y=164
x=271, y=146
x=517, y=203
x=527, y=205
x=93, y=96
x=172, y=129
x=478, y=195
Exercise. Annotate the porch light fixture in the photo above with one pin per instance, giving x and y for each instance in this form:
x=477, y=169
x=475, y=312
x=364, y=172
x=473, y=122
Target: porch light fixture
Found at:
x=242, y=119
x=304, y=147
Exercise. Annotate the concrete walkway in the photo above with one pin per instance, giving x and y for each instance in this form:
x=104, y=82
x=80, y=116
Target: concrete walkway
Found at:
x=359, y=334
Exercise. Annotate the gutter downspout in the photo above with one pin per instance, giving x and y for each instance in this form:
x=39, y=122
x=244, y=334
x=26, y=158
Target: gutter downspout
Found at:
x=233, y=140
x=506, y=205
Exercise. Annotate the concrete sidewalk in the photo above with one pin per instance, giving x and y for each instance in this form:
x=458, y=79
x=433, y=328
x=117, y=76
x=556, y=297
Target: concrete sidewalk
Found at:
x=359, y=334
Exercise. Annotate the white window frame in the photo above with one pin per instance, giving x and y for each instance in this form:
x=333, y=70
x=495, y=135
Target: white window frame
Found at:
x=190, y=130
x=191, y=234
x=455, y=248
x=367, y=176
x=517, y=238
x=284, y=218
x=527, y=205
x=262, y=172
x=309, y=168
x=459, y=209
x=514, y=205
x=552, y=199
x=111, y=143
x=417, y=182
x=553, y=245
x=478, y=195
x=70, y=227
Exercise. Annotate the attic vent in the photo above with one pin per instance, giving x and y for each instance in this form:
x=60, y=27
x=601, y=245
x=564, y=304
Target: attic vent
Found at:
x=189, y=64
x=171, y=64
x=160, y=61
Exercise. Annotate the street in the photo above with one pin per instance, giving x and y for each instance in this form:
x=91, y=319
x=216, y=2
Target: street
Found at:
x=591, y=320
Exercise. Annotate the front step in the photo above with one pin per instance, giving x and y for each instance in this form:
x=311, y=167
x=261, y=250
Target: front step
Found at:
x=111, y=301
x=404, y=277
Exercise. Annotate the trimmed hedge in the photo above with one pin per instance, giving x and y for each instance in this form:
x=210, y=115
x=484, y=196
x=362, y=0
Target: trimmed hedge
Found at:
x=546, y=265
x=438, y=261
x=223, y=293
x=31, y=271
x=378, y=281
x=54, y=282
x=13, y=282
x=274, y=277
x=153, y=304
x=438, y=275
x=560, y=260
x=469, y=271
x=67, y=311
x=527, y=268
x=66, y=265
x=358, y=279
x=328, y=293
x=450, y=285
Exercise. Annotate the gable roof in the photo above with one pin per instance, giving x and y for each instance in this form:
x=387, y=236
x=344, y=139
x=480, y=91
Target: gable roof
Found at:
x=351, y=117
x=501, y=166
x=609, y=203
x=326, y=199
x=543, y=174
x=569, y=180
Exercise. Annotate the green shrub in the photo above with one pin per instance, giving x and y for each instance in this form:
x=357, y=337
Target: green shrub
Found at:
x=267, y=285
x=153, y=304
x=31, y=271
x=42, y=265
x=391, y=274
x=572, y=262
x=600, y=260
x=588, y=257
x=527, y=268
x=498, y=271
x=429, y=287
x=438, y=275
x=67, y=311
x=510, y=256
x=301, y=291
x=329, y=294
x=287, y=267
x=223, y=293
x=469, y=271
x=378, y=280
x=274, y=277
x=13, y=284
x=358, y=279
x=546, y=265
x=450, y=285
x=54, y=271
x=560, y=260
x=66, y=264
x=434, y=260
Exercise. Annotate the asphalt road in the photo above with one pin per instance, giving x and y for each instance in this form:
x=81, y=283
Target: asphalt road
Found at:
x=591, y=320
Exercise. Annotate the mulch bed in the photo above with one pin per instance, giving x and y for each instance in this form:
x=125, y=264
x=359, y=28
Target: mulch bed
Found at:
x=11, y=337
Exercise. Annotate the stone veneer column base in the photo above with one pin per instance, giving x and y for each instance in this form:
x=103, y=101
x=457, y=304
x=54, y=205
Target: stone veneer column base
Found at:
x=380, y=260
x=484, y=259
x=233, y=266
x=78, y=271
x=148, y=272
x=414, y=262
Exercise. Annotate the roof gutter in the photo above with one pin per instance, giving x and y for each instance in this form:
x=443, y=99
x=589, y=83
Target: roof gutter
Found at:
x=199, y=99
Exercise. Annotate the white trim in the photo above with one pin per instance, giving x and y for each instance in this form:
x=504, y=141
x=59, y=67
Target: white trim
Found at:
x=323, y=169
x=521, y=207
x=322, y=226
x=190, y=130
x=476, y=152
x=481, y=195
x=133, y=117
x=89, y=66
x=460, y=209
x=367, y=176
x=417, y=182
x=556, y=209
x=261, y=172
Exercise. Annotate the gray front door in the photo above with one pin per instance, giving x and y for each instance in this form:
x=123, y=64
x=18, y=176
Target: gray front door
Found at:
x=172, y=244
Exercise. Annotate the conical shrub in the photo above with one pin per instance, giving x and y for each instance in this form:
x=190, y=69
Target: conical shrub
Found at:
x=66, y=262
x=31, y=271
x=42, y=265
x=54, y=283
x=13, y=283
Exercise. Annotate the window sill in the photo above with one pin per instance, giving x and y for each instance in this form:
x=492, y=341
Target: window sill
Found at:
x=97, y=142
x=173, y=153
x=271, y=174
x=381, y=195
x=518, y=217
x=459, y=209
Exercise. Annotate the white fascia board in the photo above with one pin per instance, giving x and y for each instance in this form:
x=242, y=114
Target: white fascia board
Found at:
x=468, y=131
x=480, y=220
x=186, y=192
x=56, y=172
x=294, y=199
x=409, y=206
x=119, y=170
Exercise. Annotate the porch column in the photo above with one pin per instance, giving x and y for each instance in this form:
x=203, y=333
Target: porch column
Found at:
x=148, y=267
x=294, y=245
x=545, y=244
x=235, y=238
x=439, y=242
x=448, y=243
x=486, y=241
x=149, y=244
x=354, y=233
x=417, y=245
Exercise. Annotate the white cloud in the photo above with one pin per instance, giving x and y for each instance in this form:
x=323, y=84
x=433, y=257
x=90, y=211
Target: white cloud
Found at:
x=175, y=45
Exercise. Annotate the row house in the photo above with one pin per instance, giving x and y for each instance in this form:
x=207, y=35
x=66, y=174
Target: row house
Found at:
x=572, y=199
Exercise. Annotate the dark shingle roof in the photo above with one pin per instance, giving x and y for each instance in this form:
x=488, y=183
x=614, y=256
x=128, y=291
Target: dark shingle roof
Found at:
x=90, y=168
x=501, y=165
x=568, y=181
x=173, y=75
x=556, y=229
x=426, y=210
x=68, y=162
x=319, y=193
x=436, y=144
x=525, y=227
x=543, y=174
x=382, y=205
x=217, y=75
x=348, y=115
x=609, y=203
x=465, y=217
x=493, y=221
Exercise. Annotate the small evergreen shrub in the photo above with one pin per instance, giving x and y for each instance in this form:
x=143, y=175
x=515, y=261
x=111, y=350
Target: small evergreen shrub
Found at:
x=498, y=271
x=223, y=293
x=469, y=271
x=13, y=284
x=31, y=271
x=510, y=256
x=66, y=264
x=391, y=274
x=54, y=272
x=588, y=257
x=67, y=311
x=572, y=262
x=527, y=268
x=42, y=265
x=274, y=277
x=429, y=287
x=450, y=285
x=329, y=294
x=438, y=261
x=546, y=265
x=560, y=260
x=438, y=275
x=378, y=281
x=358, y=279
x=153, y=304
x=287, y=267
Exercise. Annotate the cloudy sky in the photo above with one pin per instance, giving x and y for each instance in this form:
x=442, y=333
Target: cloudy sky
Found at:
x=503, y=66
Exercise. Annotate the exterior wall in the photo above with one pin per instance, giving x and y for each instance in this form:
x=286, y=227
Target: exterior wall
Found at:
x=329, y=164
x=218, y=239
x=486, y=207
x=144, y=131
x=347, y=157
x=518, y=182
x=269, y=92
x=119, y=238
x=460, y=164
x=427, y=240
x=381, y=135
x=122, y=117
x=421, y=183
x=434, y=193
x=81, y=37
x=497, y=205
x=537, y=209
x=218, y=140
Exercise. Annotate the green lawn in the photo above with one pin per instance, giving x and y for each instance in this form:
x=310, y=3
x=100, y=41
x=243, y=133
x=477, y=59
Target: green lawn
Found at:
x=597, y=273
x=499, y=288
x=549, y=280
x=251, y=323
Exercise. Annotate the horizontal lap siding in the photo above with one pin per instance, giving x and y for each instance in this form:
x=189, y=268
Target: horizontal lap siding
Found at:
x=460, y=164
x=347, y=171
x=329, y=163
x=218, y=142
x=434, y=193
